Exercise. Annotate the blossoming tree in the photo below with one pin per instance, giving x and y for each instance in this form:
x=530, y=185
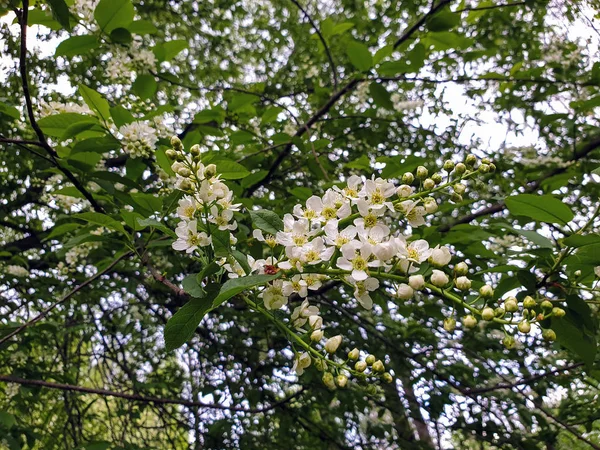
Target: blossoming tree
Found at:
x=317, y=225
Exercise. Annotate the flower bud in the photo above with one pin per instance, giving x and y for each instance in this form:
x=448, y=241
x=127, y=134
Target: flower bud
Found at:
x=353, y=354
x=488, y=314
x=176, y=143
x=320, y=364
x=577, y=273
x=546, y=304
x=404, y=292
x=449, y=324
x=456, y=198
x=404, y=191
x=185, y=184
x=387, y=377
x=171, y=154
x=316, y=336
x=378, y=366
x=428, y=184
x=558, y=312
x=430, y=205
x=333, y=343
x=449, y=165
x=417, y=282
x=509, y=342
x=437, y=178
x=510, y=304
x=315, y=322
x=484, y=168
x=195, y=150
x=408, y=178
x=485, y=160
x=529, y=303
x=549, y=335
x=440, y=256
x=499, y=312
x=469, y=321
x=184, y=172
x=210, y=171
x=463, y=283
x=460, y=168
x=422, y=172
x=459, y=188
x=439, y=278
x=524, y=326
x=486, y=291
x=360, y=366
x=492, y=167
x=176, y=166
x=461, y=269
x=341, y=381
x=370, y=359
x=328, y=380
x=470, y=160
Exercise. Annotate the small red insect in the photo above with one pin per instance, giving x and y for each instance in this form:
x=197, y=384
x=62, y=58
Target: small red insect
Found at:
x=271, y=270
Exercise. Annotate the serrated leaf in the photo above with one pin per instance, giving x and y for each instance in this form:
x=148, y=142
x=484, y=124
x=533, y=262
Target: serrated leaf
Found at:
x=111, y=14
x=181, y=327
x=267, y=221
x=77, y=45
x=60, y=11
x=542, y=208
x=144, y=86
x=95, y=101
x=235, y=286
x=142, y=27
x=381, y=96
x=221, y=241
x=191, y=286
x=359, y=56
x=230, y=170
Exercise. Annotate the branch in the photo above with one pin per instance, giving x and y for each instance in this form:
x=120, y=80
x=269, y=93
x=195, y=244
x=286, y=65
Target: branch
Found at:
x=144, y=399
x=482, y=8
x=22, y=18
x=314, y=25
x=408, y=33
x=500, y=206
x=74, y=291
x=466, y=79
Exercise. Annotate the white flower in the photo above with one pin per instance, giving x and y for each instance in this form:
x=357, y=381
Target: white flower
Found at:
x=597, y=271
x=303, y=312
x=352, y=187
x=188, y=238
x=313, y=280
x=314, y=206
x=296, y=285
x=376, y=192
x=440, y=256
x=333, y=343
x=413, y=213
x=139, y=139
x=417, y=282
x=439, y=278
x=222, y=218
x=417, y=251
x=356, y=261
x=226, y=202
x=187, y=208
x=362, y=289
x=315, y=252
x=405, y=292
x=337, y=238
x=295, y=232
x=315, y=322
x=273, y=297
x=301, y=362
x=17, y=271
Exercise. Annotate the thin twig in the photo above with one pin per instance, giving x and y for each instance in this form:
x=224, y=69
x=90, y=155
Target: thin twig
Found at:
x=144, y=399
x=482, y=8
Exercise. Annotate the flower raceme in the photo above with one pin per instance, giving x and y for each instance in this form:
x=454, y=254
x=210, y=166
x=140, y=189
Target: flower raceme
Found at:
x=358, y=233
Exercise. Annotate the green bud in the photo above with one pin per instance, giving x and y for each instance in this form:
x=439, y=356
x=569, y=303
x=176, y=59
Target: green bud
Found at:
x=184, y=172
x=529, y=302
x=341, y=380
x=486, y=291
x=360, y=366
x=210, y=171
x=195, y=150
x=320, y=364
x=353, y=354
x=185, y=184
x=176, y=143
x=509, y=342
x=485, y=161
x=461, y=269
x=387, y=377
x=428, y=184
x=546, y=304
x=484, y=168
x=499, y=312
x=171, y=154
x=378, y=366
x=456, y=198
x=460, y=168
x=577, y=273
x=408, y=178
x=448, y=166
x=488, y=314
x=558, y=312
x=459, y=188
x=492, y=167
x=524, y=326
x=470, y=160
x=437, y=178
x=370, y=360
x=549, y=335
x=328, y=380
x=449, y=324
x=422, y=172
x=510, y=305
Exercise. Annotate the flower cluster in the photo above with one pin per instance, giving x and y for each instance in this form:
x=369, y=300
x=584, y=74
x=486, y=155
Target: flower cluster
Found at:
x=138, y=139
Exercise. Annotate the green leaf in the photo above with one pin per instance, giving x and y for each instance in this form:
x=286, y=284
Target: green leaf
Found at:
x=169, y=50
x=77, y=45
x=149, y=202
x=111, y=14
x=267, y=221
x=121, y=36
x=56, y=124
x=359, y=55
x=270, y=114
x=10, y=111
x=81, y=127
x=144, y=86
x=142, y=27
x=191, y=286
x=150, y=222
x=41, y=17
x=99, y=145
x=572, y=336
x=381, y=96
x=60, y=11
x=542, y=208
x=95, y=101
x=101, y=219
x=577, y=240
x=446, y=40
x=181, y=327
x=230, y=170
x=84, y=160
x=61, y=230
x=7, y=420
x=121, y=116
x=242, y=260
x=221, y=241
x=235, y=286
x=443, y=21
x=341, y=28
